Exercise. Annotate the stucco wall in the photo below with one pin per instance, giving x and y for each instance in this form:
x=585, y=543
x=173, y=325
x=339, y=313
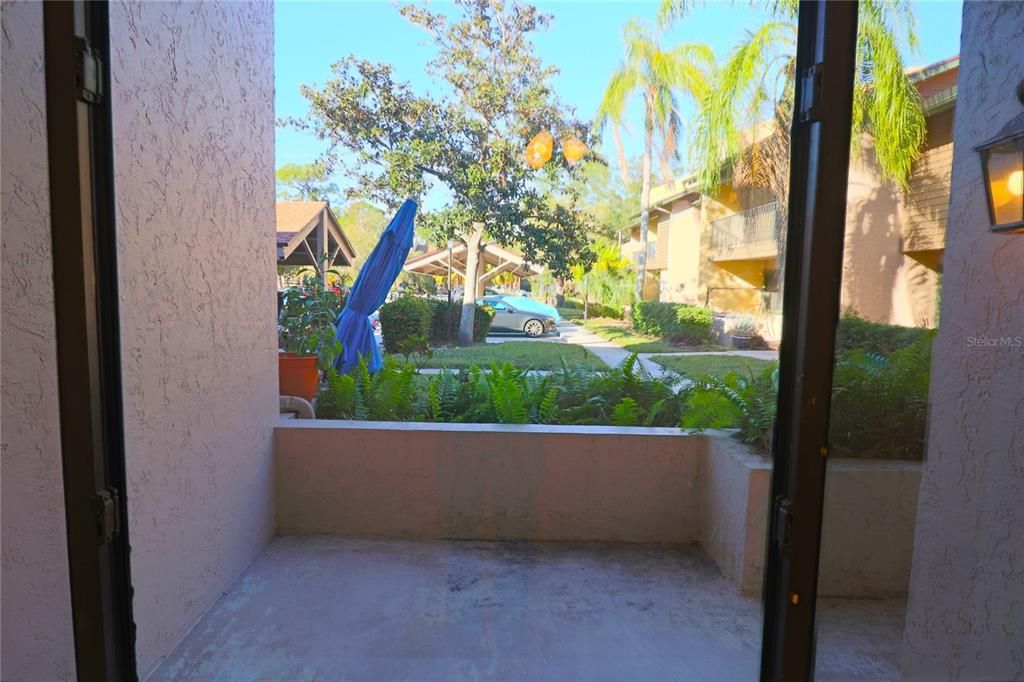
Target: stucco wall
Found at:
x=194, y=160
x=487, y=481
x=880, y=282
x=965, y=616
x=37, y=639
x=868, y=524
x=682, y=274
x=734, y=513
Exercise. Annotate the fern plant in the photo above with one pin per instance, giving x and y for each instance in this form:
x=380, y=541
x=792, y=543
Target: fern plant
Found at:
x=736, y=400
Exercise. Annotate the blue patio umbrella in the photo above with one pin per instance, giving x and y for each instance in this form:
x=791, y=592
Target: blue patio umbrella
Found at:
x=379, y=272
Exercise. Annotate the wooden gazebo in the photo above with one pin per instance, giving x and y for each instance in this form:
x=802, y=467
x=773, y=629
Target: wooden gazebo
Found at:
x=309, y=234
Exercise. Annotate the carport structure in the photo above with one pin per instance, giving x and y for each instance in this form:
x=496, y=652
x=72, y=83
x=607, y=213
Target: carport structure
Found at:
x=496, y=260
x=309, y=234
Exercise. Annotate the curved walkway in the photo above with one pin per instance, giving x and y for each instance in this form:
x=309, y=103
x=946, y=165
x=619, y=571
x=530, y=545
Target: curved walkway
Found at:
x=613, y=355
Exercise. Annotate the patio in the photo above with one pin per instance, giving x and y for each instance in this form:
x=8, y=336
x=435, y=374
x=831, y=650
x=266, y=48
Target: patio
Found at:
x=329, y=608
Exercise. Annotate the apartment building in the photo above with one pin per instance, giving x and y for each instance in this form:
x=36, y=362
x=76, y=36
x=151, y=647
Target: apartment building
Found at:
x=722, y=251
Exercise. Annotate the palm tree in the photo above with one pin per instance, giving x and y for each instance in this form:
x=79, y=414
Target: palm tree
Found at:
x=657, y=75
x=757, y=80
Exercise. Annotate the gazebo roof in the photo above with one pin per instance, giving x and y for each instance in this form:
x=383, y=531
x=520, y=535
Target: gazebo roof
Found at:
x=501, y=259
x=298, y=234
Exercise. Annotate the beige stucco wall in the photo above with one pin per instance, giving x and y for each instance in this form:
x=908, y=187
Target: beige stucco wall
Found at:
x=487, y=481
x=193, y=111
x=682, y=271
x=965, y=615
x=868, y=524
x=880, y=282
x=37, y=639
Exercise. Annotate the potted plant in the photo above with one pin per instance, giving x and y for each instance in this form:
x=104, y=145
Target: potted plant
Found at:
x=306, y=336
x=743, y=334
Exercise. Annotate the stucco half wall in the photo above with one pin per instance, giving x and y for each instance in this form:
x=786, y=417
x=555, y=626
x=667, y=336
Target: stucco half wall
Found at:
x=599, y=483
x=487, y=481
x=965, y=615
x=37, y=639
x=193, y=107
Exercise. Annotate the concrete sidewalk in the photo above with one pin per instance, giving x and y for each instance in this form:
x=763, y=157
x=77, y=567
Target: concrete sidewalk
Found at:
x=613, y=355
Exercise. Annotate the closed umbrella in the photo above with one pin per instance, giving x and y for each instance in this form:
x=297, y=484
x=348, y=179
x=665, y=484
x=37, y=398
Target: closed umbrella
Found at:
x=371, y=289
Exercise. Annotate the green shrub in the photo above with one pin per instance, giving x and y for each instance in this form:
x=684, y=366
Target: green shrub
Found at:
x=855, y=332
x=439, y=322
x=677, y=322
x=601, y=310
x=880, y=403
x=405, y=324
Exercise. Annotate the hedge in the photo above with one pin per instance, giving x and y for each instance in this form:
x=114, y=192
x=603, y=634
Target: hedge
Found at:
x=594, y=309
x=677, y=322
x=405, y=324
x=873, y=337
x=439, y=320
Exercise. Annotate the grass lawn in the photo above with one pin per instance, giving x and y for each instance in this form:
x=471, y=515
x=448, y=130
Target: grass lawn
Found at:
x=719, y=365
x=618, y=333
x=522, y=354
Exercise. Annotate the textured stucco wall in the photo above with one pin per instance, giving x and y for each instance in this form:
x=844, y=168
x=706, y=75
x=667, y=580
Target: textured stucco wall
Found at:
x=487, y=481
x=37, y=640
x=734, y=492
x=965, y=616
x=868, y=521
x=194, y=160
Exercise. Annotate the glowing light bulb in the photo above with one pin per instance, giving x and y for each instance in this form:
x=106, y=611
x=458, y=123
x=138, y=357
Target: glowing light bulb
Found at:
x=538, y=150
x=1015, y=183
x=573, y=149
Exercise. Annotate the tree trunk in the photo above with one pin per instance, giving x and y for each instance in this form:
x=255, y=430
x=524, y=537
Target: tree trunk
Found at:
x=474, y=240
x=645, y=204
x=560, y=292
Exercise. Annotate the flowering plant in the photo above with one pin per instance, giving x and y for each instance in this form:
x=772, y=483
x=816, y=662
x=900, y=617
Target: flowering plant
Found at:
x=306, y=321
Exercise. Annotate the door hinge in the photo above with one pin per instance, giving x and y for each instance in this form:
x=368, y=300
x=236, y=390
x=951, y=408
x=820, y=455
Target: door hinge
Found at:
x=810, y=100
x=108, y=514
x=88, y=73
x=783, y=521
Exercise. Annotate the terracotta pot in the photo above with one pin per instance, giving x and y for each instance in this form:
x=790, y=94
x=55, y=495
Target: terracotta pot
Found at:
x=298, y=375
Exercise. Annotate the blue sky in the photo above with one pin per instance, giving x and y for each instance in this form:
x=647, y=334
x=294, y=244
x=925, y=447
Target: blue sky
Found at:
x=583, y=41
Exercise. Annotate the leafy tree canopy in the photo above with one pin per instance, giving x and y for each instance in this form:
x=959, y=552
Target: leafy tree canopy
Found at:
x=467, y=137
x=306, y=181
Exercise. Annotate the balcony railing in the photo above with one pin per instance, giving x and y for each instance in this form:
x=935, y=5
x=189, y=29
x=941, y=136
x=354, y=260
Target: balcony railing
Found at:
x=758, y=224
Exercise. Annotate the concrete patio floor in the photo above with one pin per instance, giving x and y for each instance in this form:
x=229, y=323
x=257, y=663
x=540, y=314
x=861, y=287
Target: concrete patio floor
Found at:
x=319, y=608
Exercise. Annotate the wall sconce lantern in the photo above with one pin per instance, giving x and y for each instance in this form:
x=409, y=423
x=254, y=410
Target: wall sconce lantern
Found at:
x=1002, y=165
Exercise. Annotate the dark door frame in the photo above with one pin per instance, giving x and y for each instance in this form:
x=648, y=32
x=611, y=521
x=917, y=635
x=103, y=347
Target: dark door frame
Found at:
x=88, y=348
x=819, y=169
x=80, y=155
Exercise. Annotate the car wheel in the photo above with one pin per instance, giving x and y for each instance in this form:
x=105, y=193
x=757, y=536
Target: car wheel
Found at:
x=533, y=328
